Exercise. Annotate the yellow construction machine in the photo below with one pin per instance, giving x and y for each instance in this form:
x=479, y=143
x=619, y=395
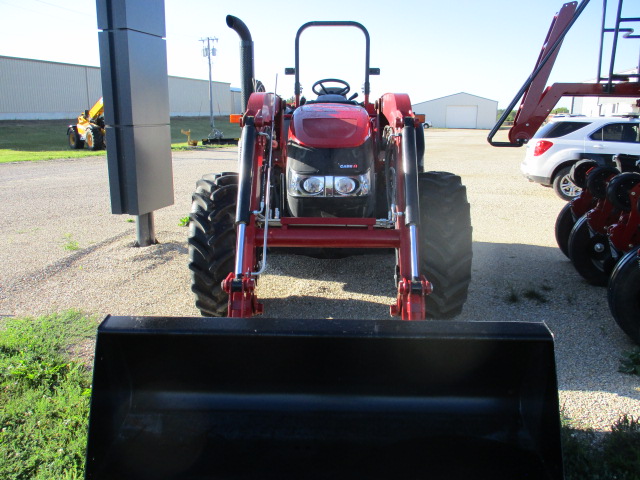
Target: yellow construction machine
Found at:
x=89, y=130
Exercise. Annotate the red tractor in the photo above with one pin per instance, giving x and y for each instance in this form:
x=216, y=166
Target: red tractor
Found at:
x=330, y=173
x=325, y=398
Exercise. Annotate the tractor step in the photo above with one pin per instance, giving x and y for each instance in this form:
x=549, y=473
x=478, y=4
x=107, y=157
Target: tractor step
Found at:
x=288, y=399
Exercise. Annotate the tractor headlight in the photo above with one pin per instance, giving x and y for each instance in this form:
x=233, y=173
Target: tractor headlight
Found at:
x=313, y=185
x=344, y=185
x=300, y=185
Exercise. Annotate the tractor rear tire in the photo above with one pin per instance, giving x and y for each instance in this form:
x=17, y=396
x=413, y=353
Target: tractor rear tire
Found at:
x=446, y=245
x=212, y=241
x=624, y=294
x=590, y=255
x=564, y=224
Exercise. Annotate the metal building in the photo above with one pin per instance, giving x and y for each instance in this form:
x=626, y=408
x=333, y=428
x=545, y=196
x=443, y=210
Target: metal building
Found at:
x=42, y=90
x=461, y=110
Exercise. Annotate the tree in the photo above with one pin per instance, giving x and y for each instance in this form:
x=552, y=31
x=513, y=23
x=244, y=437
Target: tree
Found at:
x=510, y=117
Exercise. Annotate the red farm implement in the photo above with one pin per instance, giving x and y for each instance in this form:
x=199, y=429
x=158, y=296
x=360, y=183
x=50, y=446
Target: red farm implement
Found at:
x=600, y=230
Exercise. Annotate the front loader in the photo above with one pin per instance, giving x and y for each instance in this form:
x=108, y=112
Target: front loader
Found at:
x=89, y=131
x=237, y=396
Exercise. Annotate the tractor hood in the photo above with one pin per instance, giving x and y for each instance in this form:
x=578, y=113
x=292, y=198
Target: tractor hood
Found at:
x=330, y=125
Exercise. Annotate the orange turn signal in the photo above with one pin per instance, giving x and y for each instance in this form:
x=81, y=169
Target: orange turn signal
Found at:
x=235, y=118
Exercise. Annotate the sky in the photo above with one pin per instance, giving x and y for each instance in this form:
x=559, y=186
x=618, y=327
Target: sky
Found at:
x=428, y=48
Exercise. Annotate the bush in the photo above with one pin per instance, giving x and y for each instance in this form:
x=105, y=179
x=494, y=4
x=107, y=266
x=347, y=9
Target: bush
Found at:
x=607, y=456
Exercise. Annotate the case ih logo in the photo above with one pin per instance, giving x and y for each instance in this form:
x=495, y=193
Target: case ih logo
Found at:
x=348, y=166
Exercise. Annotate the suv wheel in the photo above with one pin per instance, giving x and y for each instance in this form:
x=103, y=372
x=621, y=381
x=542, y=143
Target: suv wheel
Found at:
x=564, y=186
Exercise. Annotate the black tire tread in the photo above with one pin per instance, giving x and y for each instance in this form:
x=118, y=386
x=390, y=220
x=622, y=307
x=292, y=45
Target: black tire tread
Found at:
x=212, y=240
x=446, y=244
x=623, y=294
x=563, y=226
x=580, y=254
x=74, y=139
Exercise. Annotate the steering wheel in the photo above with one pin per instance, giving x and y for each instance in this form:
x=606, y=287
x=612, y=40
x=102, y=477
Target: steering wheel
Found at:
x=322, y=90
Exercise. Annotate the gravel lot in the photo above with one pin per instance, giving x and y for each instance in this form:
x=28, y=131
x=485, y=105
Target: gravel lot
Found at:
x=49, y=206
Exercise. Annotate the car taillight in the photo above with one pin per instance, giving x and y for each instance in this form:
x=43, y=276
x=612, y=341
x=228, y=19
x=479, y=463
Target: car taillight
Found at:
x=541, y=147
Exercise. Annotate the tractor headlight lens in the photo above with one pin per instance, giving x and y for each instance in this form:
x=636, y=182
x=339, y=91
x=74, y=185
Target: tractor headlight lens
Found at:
x=344, y=185
x=313, y=185
x=301, y=185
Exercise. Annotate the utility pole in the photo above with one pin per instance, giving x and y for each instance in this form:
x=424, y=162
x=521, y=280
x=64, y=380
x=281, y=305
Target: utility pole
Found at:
x=210, y=51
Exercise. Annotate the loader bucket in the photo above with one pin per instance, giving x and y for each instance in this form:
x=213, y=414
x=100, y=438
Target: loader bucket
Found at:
x=232, y=398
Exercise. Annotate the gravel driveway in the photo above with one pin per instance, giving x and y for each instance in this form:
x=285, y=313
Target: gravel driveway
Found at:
x=62, y=248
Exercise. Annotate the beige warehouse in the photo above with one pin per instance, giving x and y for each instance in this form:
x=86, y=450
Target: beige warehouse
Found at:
x=461, y=110
x=41, y=90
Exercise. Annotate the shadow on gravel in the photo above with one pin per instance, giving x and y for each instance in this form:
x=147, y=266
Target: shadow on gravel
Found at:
x=510, y=282
x=68, y=262
x=155, y=256
x=322, y=307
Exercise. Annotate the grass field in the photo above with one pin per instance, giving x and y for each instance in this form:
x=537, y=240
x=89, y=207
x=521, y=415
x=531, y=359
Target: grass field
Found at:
x=30, y=140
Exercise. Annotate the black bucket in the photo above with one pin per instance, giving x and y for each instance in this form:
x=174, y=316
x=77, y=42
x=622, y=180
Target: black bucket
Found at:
x=222, y=398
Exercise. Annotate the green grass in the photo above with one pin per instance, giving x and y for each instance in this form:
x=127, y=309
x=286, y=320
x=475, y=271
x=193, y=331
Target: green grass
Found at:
x=44, y=397
x=630, y=363
x=69, y=243
x=32, y=140
x=200, y=128
x=615, y=455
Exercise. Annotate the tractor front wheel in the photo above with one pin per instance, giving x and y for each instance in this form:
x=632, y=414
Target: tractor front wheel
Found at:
x=93, y=139
x=624, y=294
x=446, y=246
x=212, y=241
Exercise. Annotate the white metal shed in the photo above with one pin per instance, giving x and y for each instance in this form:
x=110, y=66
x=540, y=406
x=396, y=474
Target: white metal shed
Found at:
x=461, y=110
x=40, y=90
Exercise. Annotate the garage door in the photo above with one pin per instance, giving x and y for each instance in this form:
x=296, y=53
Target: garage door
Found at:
x=462, y=116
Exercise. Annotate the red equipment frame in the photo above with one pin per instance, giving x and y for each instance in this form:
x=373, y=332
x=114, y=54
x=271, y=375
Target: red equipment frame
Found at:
x=268, y=114
x=624, y=235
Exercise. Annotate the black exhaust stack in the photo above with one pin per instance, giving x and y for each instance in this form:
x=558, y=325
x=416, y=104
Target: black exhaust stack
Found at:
x=246, y=58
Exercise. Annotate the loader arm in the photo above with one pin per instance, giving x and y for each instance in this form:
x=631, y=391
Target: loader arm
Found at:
x=538, y=100
x=96, y=110
x=526, y=123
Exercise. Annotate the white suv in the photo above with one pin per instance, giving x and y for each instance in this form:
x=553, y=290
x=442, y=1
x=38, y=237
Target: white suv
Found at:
x=565, y=140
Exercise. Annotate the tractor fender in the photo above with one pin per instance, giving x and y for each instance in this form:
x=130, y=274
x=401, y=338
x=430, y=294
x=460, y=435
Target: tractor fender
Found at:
x=395, y=107
x=261, y=106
